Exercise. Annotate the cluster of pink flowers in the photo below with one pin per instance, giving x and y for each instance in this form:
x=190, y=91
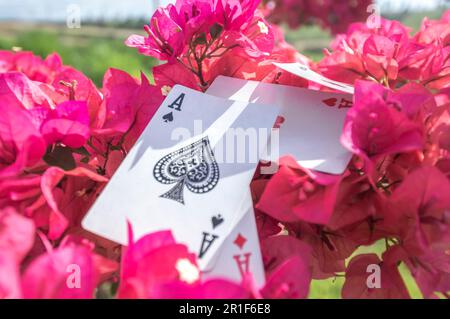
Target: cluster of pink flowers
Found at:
x=62, y=138
x=202, y=39
x=388, y=54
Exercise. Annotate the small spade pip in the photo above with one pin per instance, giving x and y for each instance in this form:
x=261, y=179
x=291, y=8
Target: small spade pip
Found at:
x=168, y=117
x=193, y=167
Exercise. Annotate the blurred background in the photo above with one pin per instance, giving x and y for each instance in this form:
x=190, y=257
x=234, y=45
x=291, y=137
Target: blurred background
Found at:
x=89, y=35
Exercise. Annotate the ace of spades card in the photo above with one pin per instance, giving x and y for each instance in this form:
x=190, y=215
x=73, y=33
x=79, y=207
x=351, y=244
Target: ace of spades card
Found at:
x=175, y=177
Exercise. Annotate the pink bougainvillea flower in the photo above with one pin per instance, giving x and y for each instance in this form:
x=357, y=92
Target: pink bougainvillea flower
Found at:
x=16, y=233
x=56, y=200
x=63, y=115
x=256, y=41
x=154, y=260
x=376, y=126
x=278, y=249
x=368, y=277
x=196, y=34
x=358, y=213
x=263, y=70
x=368, y=53
x=295, y=193
x=267, y=226
x=166, y=38
x=68, y=124
x=126, y=109
x=21, y=143
x=9, y=276
x=287, y=261
x=379, y=57
x=415, y=101
x=330, y=248
x=432, y=64
x=342, y=66
x=195, y=16
x=68, y=195
x=334, y=15
x=34, y=67
x=19, y=192
x=232, y=15
x=158, y=267
x=16, y=239
x=70, y=84
x=431, y=270
x=168, y=75
x=388, y=54
x=6, y=61
x=210, y=289
x=70, y=271
x=118, y=110
x=18, y=90
x=419, y=210
x=291, y=280
x=436, y=73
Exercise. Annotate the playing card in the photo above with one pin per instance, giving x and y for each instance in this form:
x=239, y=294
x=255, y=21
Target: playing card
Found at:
x=310, y=122
x=182, y=178
x=304, y=71
x=240, y=253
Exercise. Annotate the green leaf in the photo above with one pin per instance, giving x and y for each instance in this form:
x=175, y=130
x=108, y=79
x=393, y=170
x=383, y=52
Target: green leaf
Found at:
x=201, y=39
x=215, y=30
x=81, y=151
x=107, y=290
x=85, y=160
x=61, y=157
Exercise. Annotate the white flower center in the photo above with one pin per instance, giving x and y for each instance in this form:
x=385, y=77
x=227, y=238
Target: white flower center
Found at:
x=165, y=90
x=263, y=27
x=189, y=273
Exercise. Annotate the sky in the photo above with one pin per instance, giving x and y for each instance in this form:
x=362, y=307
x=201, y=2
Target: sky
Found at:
x=417, y=5
x=56, y=10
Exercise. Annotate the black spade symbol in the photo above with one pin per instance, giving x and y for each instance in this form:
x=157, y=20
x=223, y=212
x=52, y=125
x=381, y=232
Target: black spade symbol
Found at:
x=193, y=167
x=217, y=221
x=168, y=117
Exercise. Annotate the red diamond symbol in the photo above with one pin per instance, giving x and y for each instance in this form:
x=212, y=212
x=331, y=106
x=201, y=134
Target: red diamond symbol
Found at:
x=240, y=241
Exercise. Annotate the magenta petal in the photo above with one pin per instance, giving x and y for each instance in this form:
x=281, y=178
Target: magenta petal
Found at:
x=290, y=280
x=67, y=124
x=21, y=144
x=9, y=277
x=16, y=233
x=48, y=276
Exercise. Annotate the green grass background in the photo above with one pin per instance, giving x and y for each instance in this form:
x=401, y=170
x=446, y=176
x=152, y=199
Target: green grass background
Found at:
x=92, y=55
x=93, y=52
